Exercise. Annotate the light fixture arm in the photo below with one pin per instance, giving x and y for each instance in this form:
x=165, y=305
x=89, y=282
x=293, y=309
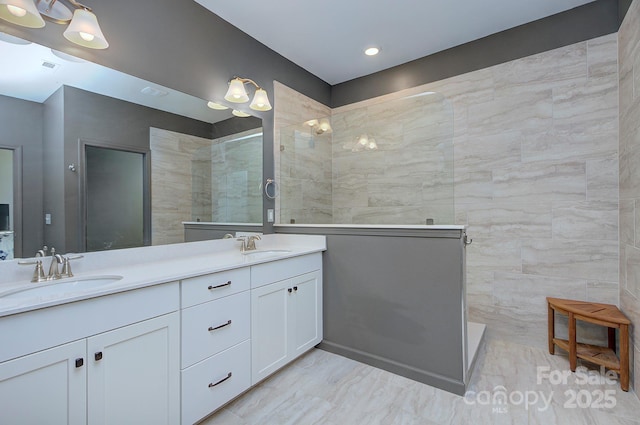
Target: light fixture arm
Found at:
x=247, y=80
x=77, y=5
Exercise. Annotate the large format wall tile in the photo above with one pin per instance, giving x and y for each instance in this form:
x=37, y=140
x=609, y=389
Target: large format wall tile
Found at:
x=629, y=69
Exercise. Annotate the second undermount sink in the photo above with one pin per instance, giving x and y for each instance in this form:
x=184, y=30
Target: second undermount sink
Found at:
x=60, y=288
x=265, y=253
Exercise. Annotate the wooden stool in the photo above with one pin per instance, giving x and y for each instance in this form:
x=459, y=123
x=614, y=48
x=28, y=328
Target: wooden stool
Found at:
x=600, y=314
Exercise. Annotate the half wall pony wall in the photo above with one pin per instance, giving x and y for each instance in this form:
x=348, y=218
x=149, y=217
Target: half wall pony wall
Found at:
x=535, y=179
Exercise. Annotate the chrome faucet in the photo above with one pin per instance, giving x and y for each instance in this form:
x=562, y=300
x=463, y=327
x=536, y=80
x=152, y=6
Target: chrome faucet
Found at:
x=54, y=272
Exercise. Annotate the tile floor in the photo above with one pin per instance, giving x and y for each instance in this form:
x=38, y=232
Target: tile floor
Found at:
x=324, y=388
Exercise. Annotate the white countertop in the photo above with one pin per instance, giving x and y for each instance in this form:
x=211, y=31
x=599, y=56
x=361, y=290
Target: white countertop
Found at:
x=141, y=267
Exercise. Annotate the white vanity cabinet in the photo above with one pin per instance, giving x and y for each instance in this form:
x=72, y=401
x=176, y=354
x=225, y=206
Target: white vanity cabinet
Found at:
x=45, y=387
x=286, y=312
x=110, y=363
x=216, y=349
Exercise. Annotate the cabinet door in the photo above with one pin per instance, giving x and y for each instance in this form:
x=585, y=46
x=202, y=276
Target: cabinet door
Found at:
x=269, y=329
x=134, y=374
x=305, y=313
x=45, y=387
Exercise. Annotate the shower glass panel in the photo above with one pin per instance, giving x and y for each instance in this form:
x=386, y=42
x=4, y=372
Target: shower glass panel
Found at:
x=115, y=199
x=389, y=162
x=226, y=180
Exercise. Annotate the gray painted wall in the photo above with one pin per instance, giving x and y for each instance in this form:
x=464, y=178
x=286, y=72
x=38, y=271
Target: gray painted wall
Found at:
x=21, y=126
x=73, y=115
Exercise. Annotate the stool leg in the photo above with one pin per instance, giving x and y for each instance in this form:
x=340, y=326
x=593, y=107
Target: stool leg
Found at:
x=573, y=356
x=551, y=333
x=624, y=357
x=612, y=338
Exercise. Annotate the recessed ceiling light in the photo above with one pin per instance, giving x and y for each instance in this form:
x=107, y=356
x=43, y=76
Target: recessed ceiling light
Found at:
x=371, y=51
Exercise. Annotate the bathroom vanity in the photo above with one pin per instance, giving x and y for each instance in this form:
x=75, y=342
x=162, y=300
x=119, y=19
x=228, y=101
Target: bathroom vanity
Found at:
x=158, y=335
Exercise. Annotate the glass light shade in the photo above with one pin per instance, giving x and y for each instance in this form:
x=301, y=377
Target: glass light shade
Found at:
x=236, y=92
x=85, y=31
x=325, y=126
x=21, y=12
x=260, y=101
x=216, y=106
x=240, y=114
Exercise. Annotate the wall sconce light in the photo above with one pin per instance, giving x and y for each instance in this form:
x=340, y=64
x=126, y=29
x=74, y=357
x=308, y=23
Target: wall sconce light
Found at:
x=364, y=142
x=238, y=94
x=320, y=126
x=83, y=28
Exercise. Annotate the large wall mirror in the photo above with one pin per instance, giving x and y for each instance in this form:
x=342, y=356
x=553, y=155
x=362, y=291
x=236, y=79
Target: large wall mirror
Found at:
x=93, y=159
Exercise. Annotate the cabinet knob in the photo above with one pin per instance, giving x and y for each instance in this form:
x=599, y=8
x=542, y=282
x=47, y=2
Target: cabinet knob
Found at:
x=295, y=288
x=289, y=290
x=98, y=356
x=219, y=286
x=79, y=362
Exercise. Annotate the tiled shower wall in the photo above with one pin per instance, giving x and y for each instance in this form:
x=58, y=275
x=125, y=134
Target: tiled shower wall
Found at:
x=193, y=179
x=536, y=181
x=629, y=63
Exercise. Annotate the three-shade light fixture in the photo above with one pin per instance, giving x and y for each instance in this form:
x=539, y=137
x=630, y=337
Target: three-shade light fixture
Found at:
x=83, y=28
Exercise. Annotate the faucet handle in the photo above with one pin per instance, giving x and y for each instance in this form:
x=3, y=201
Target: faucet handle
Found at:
x=243, y=246
x=38, y=273
x=66, y=268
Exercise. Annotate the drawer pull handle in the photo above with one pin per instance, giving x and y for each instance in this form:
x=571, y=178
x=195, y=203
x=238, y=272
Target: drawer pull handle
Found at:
x=79, y=362
x=211, y=328
x=219, y=286
x=211, y=385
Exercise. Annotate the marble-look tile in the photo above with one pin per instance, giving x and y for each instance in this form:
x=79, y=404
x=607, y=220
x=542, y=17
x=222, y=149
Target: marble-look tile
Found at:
x=629, y=173
x=629, y=33
x=521, y=110
x=592, y=105
x=527, y=293
x=518, y=220
x=636, y=369
x=473, y=185
x=494, y=254
x=602, y=179
x=602, y=55
x=603, y=292
x=541, y=182
x=632, y=268
x=586, y=220
x=585, y=259
x=490, y=151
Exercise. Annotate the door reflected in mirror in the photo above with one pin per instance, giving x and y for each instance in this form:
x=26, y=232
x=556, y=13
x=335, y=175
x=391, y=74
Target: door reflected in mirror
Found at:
x=6, y=204
x=116, y=193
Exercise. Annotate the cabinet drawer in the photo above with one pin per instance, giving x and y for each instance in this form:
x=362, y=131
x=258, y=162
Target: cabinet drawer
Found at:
x=274, y=271
x=215, y=326
x=211, y=383
x=209, y=287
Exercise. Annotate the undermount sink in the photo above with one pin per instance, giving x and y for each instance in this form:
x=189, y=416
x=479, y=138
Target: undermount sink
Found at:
x=260, y=254
x=60, y=288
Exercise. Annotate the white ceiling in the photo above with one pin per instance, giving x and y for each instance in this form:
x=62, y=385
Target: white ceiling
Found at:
x=327, y=37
